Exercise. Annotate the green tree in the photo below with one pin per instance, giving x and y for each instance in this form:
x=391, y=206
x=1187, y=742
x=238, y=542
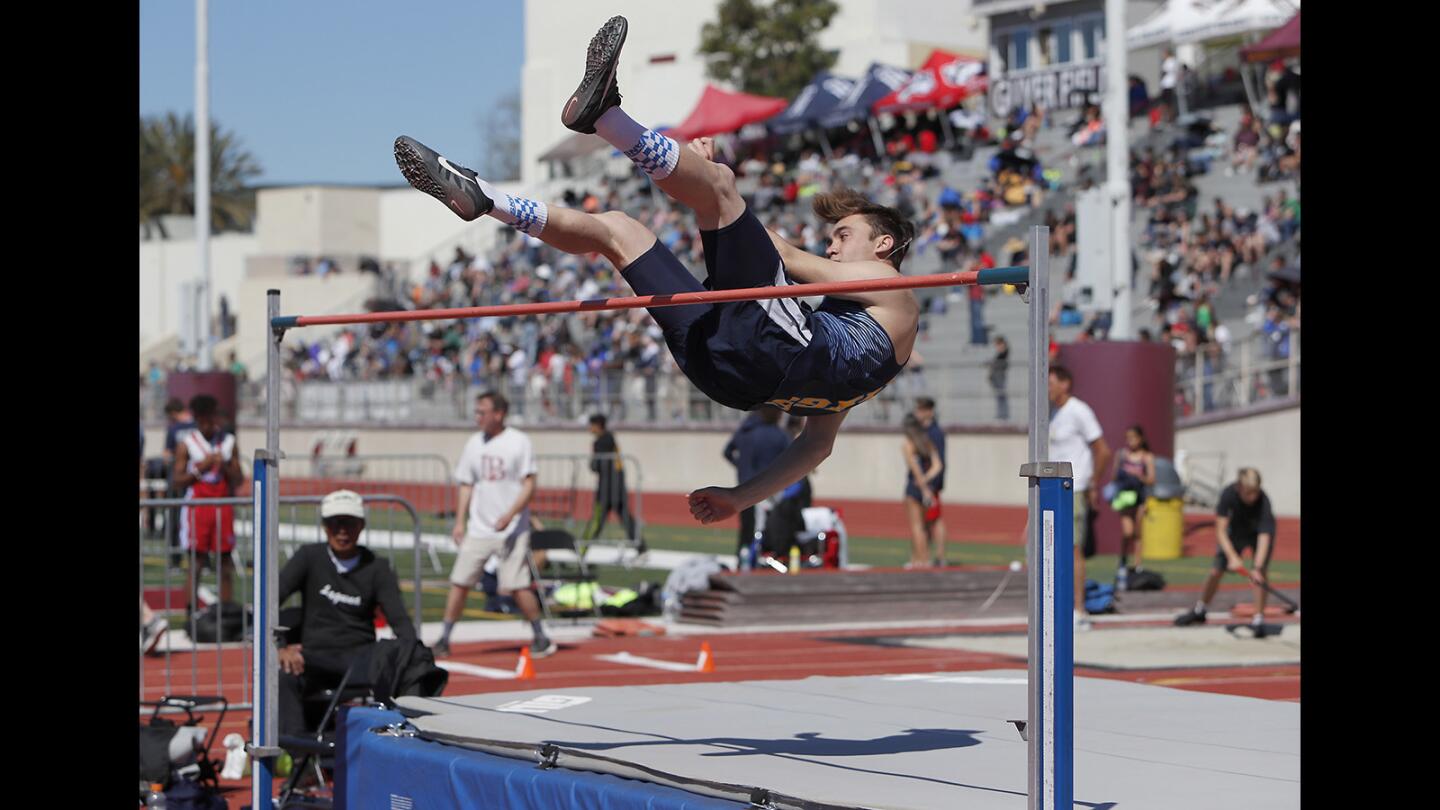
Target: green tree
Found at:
x=768, y=49
x=167, y=173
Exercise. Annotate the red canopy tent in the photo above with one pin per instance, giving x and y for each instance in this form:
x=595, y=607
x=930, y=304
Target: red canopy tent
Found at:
x=943, y=81
x=723, y=111
x=1278, y=44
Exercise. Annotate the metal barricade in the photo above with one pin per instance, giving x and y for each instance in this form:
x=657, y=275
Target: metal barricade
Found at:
x=424, y=480
x=570, y=494
x=165, y=590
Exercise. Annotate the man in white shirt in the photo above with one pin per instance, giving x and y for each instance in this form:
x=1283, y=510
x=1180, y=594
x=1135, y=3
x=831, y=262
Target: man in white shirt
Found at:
x=1169, y=77
x=497, y=480
x=1076, y=437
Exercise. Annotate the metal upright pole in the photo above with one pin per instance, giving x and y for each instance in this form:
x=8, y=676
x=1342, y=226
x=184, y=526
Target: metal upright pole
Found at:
x=1049, y=549
x=202, y=178
x=1117, y=168
x=266, y=488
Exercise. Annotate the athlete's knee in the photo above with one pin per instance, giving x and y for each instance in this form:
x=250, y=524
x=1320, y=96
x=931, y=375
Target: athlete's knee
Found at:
x=628, y=237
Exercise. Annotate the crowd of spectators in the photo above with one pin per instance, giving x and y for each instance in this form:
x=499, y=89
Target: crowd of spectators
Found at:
x=1194, y=251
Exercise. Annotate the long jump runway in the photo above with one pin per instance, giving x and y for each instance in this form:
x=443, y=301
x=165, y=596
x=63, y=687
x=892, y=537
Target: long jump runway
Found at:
x=918, y=740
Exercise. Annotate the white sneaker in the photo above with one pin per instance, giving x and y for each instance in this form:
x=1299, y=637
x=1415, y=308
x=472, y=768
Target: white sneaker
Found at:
x=549, y=649
x=1082, y=622
x=154, y=631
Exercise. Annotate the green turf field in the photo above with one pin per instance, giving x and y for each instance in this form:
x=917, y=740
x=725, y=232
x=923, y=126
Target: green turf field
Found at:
x=875, y=551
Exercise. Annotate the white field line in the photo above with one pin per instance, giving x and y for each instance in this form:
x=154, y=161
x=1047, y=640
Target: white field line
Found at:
x=641, y=661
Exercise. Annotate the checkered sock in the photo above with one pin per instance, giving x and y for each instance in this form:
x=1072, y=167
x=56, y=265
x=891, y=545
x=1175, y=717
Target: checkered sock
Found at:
x=654, y=153
x=527, y=216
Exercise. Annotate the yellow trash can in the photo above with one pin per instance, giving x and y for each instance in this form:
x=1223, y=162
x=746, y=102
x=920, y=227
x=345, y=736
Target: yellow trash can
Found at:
x=1163, y=529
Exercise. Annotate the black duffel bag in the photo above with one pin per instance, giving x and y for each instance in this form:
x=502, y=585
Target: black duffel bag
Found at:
x=221, y=622
x=1143, y=580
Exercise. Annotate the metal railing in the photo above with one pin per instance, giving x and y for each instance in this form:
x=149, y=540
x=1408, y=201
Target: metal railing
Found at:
x=1256, y=370
x=666, y=399
x=567, y=487
x=164, y=586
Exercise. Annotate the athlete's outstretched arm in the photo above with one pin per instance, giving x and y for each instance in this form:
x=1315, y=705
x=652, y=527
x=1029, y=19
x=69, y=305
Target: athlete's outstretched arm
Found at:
x=811, y=447
x=807, y=268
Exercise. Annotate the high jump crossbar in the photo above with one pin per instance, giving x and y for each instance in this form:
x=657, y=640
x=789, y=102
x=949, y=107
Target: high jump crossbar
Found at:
x=1049, y=731
x=997, y=275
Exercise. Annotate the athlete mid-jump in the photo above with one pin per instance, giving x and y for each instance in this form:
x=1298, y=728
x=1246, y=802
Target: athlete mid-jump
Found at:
x=819, y=363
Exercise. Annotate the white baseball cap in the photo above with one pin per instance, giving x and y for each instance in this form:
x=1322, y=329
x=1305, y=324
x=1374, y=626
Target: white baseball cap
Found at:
x=342, y=502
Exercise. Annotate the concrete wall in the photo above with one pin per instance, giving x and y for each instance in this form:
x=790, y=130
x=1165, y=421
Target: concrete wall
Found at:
x=316, y=220
x=1269, y=442
x=414, y=227
x=983, y=467
x=165, y=265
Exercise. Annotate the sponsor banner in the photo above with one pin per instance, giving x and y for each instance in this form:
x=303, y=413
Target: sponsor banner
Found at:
x=1063, y=88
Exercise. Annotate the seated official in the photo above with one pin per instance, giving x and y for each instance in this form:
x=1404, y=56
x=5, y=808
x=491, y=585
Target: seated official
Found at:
x=341, y=585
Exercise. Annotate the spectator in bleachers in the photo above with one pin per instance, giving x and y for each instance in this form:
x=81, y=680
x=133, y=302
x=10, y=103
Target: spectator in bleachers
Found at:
x=998, y=368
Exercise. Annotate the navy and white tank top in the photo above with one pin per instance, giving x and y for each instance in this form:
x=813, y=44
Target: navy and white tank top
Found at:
x=849, y=360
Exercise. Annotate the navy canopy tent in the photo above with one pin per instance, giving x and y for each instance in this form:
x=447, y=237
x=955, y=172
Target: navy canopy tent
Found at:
x=818, y=98
x=878, y=82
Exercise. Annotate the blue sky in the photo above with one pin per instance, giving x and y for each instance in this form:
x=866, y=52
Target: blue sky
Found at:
x=317, y=90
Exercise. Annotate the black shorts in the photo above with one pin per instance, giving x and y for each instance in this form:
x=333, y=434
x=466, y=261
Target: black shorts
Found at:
x=736, y=352
x=1241, y=544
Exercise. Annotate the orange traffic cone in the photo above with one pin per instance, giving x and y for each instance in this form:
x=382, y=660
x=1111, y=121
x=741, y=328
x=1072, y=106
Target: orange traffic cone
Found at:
x=524, y=668
x=706, y=662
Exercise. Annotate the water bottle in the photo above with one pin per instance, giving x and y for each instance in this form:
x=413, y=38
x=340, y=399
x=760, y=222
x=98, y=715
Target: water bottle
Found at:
x=744, y=559
x=1122, y=576
x=156, y=797
x=794, y=560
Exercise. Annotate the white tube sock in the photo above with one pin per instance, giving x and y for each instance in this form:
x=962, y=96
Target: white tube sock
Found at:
x=654, y=153
x=526, y=216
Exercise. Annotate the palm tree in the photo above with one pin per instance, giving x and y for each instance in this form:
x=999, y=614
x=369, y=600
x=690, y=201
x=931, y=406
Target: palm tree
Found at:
x=167, y=168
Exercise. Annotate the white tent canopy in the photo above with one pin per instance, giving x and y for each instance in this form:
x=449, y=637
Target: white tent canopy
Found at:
x=1190, y=21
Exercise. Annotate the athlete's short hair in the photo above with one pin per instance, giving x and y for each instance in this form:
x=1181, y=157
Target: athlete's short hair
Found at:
x=1249, y=478
x=598, y=419
x=832, y=207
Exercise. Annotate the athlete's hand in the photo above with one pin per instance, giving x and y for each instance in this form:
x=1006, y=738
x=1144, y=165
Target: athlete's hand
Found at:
x=458, y=533
x=291, y=660
x=713, y=503
x=1236, y=564
x=704, y=147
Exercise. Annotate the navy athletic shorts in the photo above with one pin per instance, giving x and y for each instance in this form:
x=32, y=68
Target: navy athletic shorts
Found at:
x=736, y=353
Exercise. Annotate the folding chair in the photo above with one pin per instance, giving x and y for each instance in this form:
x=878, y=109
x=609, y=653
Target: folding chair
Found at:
x=319, y=746
x=559, y=540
